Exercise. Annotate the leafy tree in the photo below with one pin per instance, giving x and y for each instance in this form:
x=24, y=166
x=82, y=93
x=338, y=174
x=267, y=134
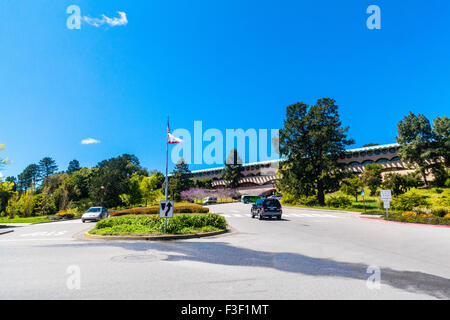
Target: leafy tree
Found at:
x=203, y=183
x=26, y=203
x=312, y=141
x=47, y=167
x=180, y=179
x=6, y=192
x=134, y=194
x=441, y=134
x=79, y=182
x=232, y=172
x=352, y=187
x=150, y=188
x=29, y=177
x=113, y=175
x=12, y=209
x=74, y=166
x=372, y=177
x=415, y=137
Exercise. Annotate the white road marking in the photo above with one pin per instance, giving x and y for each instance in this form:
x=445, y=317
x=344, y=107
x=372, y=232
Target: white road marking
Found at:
x=287, y=215
x=19, y=240
x=44, y=234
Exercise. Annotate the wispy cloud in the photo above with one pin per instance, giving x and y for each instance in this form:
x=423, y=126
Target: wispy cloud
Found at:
x=112, y=22
x=90, y=141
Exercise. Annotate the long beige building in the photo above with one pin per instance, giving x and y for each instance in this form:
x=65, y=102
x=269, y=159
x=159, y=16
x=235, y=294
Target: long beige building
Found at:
x=259, y=177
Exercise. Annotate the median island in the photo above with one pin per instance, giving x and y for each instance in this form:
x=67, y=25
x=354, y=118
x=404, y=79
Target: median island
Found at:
x=189, y=219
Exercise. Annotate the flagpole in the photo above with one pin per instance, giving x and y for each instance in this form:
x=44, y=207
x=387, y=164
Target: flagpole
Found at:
x=167, y=170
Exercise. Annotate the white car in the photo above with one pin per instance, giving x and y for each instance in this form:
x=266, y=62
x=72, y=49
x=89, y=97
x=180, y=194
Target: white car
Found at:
x=209, y=200
x=95, y=214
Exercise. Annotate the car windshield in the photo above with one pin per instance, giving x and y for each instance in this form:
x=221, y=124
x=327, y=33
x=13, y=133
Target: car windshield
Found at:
x=272, y=203
x=94, y=210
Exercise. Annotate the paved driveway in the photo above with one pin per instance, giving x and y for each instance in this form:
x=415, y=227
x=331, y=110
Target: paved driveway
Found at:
x=307, y=255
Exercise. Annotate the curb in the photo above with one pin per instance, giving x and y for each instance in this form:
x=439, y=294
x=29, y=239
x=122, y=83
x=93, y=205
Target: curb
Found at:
x=368, y=216
x=157, y=237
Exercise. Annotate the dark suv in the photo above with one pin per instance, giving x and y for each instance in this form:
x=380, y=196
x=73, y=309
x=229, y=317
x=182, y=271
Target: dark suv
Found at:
x=267, y=208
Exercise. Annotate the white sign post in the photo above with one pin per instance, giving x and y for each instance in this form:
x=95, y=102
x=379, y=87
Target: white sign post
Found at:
x=386, y=197
x=166, y=211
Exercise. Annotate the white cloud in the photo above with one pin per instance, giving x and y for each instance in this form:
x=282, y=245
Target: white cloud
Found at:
x=1, y=175
x=112, y=22
x=89, y=141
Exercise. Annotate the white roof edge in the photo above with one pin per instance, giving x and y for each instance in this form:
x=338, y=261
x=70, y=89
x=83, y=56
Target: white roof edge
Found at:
x=383, y=146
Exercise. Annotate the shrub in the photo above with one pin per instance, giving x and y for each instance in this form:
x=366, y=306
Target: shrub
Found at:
x=409, y=214
x=307, y=200
x=424, y=211
x=339, y=202
x=440, y=211
x=289, y=198
x=178, y=208
x=444, y=202
x=447, y=216
x=65, y=215
x=410, y=200
x=438, y=190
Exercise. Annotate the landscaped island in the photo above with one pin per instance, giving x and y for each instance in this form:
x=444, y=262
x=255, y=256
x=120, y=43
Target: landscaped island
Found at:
x=188, y=219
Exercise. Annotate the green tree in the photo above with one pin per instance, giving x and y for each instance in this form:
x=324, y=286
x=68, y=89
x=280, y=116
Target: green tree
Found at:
x=415, y=137
x=352, y=187
x=113, y=175
x=47, y=167
x=232, y=172
x=441, y=132
x=29, y=177
x=6, y=192
x=180, y=180
x=372, y=178
x=312, y=141
x=74, y=166
x=205, y=183
x=150, y=189
x=27, y=203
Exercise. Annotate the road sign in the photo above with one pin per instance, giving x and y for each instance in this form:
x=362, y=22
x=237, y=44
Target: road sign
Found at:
x=362, y=192
x=386, y=195
x=166, y=209
x=386, y=205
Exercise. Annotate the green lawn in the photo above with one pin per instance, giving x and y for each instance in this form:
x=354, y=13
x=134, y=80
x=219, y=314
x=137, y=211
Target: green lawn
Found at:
x=24, y=220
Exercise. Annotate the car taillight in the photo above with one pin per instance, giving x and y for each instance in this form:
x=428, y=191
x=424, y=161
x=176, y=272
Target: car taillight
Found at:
x=262, y=208
x=281, y=207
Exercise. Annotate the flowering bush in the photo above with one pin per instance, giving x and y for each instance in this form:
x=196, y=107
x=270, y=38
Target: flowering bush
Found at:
x=65, y=215
x=409, y=214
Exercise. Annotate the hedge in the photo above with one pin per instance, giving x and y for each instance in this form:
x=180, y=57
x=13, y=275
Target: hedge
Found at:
x=178, y=208
x=180, y=224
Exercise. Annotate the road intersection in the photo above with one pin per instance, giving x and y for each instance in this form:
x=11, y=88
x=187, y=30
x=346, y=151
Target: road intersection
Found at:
x=309, y=254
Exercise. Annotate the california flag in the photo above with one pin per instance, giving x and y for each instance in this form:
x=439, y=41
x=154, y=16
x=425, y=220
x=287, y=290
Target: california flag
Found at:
x=172, y=139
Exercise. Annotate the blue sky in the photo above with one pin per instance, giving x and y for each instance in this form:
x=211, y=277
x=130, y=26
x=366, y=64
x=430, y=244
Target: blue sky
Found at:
x=231, y=64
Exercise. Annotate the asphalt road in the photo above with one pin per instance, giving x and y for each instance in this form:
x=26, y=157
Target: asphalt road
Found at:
x=307, y=255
